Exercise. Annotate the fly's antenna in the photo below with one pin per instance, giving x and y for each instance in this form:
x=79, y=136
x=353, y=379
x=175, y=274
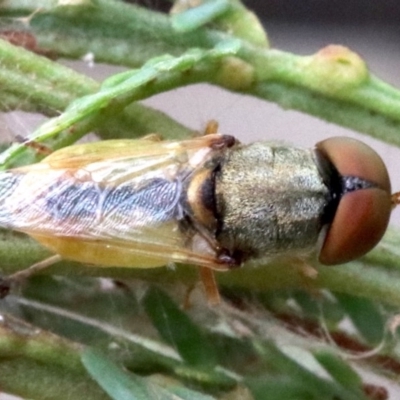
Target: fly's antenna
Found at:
x=352, y=183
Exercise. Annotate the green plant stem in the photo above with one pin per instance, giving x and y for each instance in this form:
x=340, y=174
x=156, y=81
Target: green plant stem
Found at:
x=30, y=359
x=228, y=73
x=107, y=29
x=119, y=91
x=47, y=80
x=376, y=280
x=55, y=87
x=309, y=84
x=336, y=111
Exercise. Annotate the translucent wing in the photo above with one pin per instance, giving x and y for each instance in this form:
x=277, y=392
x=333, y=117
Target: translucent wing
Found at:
x=111, y=203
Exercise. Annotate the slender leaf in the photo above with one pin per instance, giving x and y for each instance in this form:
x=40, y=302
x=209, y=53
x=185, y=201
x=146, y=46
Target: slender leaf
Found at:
x=317, y=387
x=121, y=385
x=118, y=384
x=366, y=316
x=177, y=329
x=339, y=370
x=195, y=17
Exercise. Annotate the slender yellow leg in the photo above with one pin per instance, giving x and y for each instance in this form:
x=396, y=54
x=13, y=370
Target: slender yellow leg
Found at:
x=38, y=147
x=395, y=199
x=7, y=282
x=210, y=286
x=211, y=127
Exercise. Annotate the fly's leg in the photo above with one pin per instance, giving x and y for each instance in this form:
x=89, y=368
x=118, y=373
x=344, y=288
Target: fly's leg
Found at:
x=35, y=268
x=306, y=272
x=7, y=282
x=210, y=286
x=211, y=127
x=395, y=199
x=153, y=137
x=38, y=147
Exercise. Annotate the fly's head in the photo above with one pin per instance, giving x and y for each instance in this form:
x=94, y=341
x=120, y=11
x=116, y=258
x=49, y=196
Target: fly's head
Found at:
x=360, y=200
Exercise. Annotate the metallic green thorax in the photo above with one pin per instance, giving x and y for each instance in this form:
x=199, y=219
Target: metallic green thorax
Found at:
x=270, y=200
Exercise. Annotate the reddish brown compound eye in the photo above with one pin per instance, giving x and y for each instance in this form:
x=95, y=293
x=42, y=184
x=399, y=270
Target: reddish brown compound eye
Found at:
x=362, y=215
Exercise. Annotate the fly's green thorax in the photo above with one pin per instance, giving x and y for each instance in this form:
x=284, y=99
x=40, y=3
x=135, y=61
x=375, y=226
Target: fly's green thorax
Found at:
x=271, y=200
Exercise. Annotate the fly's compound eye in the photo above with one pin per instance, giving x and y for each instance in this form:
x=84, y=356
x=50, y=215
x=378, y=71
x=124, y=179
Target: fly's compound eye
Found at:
x=364, y=202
